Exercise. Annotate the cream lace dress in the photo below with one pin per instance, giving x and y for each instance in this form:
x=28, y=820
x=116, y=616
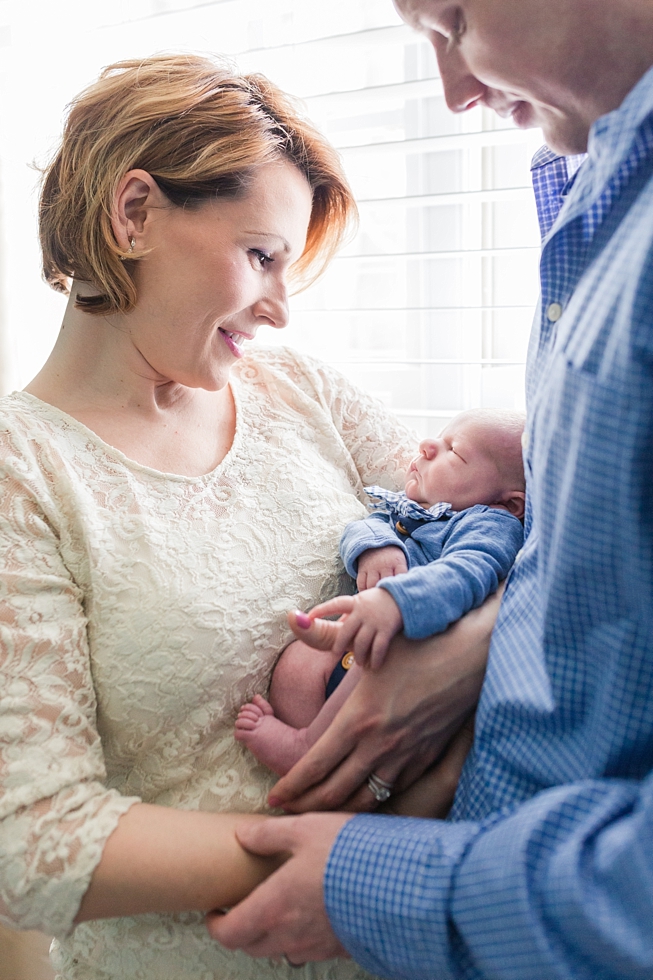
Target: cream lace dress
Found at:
x=138, y=611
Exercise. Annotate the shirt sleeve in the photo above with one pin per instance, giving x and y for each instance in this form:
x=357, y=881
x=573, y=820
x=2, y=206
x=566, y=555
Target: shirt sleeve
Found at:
x=370, y=533
x=55, y=811
x=476, y=556
x=561, y=887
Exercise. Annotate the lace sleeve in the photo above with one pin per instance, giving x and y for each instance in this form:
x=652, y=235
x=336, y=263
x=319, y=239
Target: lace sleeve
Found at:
x=55, y=812
x=380, y=445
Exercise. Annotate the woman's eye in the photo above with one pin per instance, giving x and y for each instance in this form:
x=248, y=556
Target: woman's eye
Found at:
x=263, y=258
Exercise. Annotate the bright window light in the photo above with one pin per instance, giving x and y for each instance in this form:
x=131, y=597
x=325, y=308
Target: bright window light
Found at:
x=430, y=305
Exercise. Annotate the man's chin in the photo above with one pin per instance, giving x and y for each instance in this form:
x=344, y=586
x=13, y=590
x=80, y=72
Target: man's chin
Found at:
x=565, y=136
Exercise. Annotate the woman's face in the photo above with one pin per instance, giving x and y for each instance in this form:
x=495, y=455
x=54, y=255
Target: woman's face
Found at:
x=213, y=275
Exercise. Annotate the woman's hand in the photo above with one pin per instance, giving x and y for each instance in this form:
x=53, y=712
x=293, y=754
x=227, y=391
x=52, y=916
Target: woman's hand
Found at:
x=433, y=793
x=398, y=719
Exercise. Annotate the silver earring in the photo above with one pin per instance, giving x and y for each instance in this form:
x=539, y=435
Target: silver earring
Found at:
x=132, y=245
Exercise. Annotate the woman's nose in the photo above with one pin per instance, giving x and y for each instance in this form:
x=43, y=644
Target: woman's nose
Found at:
x=462, y=90
x=273, y=307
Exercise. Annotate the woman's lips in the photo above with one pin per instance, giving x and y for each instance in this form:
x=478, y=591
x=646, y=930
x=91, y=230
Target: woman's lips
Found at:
x=233, y=339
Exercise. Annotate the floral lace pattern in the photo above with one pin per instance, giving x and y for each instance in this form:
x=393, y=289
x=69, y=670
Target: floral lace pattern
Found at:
x=138, y=611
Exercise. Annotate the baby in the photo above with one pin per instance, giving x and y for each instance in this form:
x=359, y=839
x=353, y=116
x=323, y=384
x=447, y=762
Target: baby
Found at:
x=421, y=560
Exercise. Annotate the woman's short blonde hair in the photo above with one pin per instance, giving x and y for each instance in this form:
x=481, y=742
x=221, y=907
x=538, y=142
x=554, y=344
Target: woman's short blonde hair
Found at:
x=200, y=130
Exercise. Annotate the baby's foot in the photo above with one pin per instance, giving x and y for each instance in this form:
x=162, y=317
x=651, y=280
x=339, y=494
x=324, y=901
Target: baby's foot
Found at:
x=276, y=745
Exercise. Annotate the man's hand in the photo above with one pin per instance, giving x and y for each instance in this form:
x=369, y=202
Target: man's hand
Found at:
x=285, y=916
x=397, y=720
x=378, y=563
x=370, y=620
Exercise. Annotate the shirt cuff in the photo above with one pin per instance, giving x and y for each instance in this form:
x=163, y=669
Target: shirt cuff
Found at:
x=387, y=890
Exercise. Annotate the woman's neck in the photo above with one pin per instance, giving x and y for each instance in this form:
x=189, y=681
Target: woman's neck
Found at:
x=94, y=364
x=97, y=375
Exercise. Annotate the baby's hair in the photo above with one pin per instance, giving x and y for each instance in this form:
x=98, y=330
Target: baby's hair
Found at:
x=505, y=428
x=201, y=130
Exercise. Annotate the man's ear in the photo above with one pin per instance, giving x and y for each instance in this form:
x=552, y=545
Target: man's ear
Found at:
x=136, y=195
x=514, y=501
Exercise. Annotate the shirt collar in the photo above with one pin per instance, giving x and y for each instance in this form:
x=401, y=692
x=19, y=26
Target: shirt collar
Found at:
x=610, y=141
x=399, y=505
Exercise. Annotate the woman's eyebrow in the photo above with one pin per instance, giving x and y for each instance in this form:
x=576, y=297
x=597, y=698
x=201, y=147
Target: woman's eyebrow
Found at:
x=266, y=234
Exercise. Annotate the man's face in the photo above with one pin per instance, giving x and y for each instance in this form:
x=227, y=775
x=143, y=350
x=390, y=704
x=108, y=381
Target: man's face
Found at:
x=529, y=60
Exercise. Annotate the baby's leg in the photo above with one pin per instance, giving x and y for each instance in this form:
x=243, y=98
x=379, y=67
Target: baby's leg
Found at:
x=299, y=683
x=280, y=745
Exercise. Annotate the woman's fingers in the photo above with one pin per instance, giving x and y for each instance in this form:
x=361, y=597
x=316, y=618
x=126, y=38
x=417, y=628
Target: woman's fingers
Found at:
x=432, y=795
x=319, y=633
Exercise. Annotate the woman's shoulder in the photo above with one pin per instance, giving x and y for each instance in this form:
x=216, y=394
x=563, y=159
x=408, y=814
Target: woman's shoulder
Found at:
x=277, y=359
x=23, y=417
x=33, y=440
x=18, y=417
x=273, y=366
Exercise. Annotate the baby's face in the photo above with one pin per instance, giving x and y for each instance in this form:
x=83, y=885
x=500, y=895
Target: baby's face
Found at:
x=455, y=467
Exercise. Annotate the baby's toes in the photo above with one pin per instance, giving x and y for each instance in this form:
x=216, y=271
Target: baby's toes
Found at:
x=265, y=707
x=248, y=717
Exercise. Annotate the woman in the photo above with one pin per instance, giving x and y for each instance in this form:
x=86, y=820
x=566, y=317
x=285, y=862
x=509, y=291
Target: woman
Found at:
x=166, y=497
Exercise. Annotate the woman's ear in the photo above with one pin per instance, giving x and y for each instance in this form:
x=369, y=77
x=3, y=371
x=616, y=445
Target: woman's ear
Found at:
x=136, y=195
x=514, y=502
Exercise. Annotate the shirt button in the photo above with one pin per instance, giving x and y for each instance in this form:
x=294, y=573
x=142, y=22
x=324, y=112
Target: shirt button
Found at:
x=553, y=312
x=524, y=440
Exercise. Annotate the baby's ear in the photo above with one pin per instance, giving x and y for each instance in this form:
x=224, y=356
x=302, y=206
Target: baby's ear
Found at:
x=514, y=502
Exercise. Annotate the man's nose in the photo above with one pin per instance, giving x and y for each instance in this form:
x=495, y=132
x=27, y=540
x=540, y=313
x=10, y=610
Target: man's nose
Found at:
x=462, y=90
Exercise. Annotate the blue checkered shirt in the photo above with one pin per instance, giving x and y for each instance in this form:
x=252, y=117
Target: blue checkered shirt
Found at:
x=545, y=869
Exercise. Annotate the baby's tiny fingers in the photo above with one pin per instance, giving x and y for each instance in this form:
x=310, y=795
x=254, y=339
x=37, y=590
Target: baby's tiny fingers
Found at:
x=379, y=649
x=341, y=604
x=363, y=643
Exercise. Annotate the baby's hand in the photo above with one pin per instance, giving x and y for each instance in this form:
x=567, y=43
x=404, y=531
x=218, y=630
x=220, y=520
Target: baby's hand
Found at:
x=370, y=621
x=378, y=563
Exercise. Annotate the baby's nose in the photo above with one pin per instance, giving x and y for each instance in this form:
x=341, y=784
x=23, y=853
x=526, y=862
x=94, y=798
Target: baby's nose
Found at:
x=428, y=448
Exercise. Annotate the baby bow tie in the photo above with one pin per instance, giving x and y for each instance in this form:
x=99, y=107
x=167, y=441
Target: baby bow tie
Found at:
x=399, y=505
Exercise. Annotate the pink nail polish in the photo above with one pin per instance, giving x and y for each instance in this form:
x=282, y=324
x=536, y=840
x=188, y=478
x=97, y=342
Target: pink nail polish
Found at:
x=273, y=801
x=303, y=621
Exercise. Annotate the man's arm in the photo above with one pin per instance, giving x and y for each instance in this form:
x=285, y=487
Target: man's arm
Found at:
x=561, y=887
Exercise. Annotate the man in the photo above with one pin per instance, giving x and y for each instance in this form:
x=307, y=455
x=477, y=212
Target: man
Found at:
x=547, y=868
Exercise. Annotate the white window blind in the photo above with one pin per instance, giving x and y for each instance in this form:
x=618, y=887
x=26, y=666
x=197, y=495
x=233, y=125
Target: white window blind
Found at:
x=430, y=305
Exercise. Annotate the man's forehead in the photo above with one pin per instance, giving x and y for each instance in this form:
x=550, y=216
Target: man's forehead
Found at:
x=419, y=13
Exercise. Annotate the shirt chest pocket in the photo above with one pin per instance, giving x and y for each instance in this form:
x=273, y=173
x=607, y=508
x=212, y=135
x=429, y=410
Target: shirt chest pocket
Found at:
x=591, y=457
